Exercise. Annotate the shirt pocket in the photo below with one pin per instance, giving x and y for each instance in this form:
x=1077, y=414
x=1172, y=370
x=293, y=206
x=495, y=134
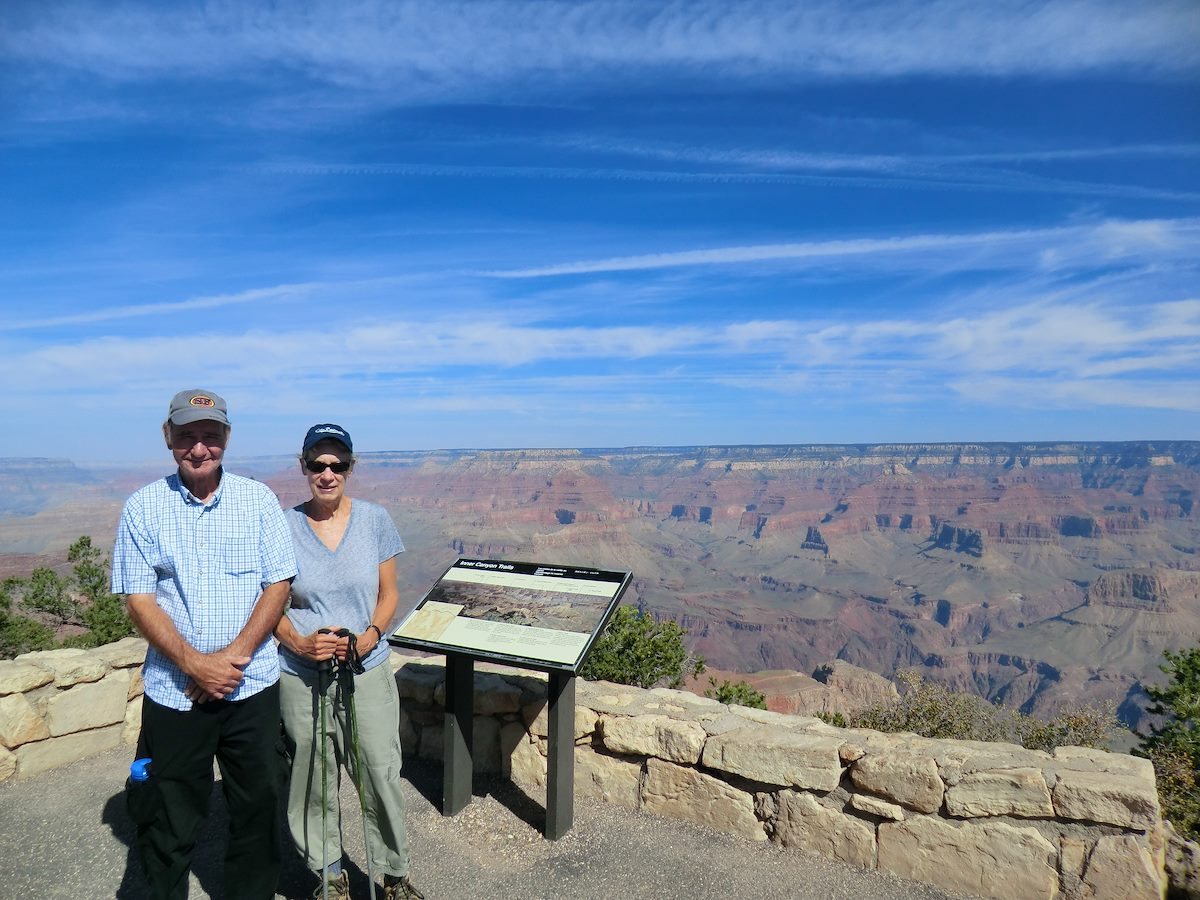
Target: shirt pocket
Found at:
x=239, y=552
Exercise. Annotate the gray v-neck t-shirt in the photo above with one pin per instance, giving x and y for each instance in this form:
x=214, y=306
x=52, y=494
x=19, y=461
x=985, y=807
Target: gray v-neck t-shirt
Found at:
x=339, y=587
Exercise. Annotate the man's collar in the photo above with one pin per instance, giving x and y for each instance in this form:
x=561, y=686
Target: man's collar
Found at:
x=192, y=498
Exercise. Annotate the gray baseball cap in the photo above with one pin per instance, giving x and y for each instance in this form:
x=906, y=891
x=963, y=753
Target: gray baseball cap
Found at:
x=196, y=405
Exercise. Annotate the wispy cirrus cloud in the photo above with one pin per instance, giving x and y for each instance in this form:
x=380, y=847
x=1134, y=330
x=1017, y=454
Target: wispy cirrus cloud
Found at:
x=1025, y=347
x=172, y=307
x=892, y=174
x=1175, y=394
x=1006, y=171
x=718, y=215
x=880, y=163
x=1091, y=245
x=456, y=49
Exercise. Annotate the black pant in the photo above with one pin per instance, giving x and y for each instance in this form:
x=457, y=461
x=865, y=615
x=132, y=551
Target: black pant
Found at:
x=242, y=737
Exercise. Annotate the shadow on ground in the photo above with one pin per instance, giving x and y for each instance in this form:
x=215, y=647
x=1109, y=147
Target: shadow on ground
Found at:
x=296, y=880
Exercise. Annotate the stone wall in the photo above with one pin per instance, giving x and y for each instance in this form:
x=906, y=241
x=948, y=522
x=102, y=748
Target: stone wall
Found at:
x=59, y=706
x=993, y=820
x=986, y=819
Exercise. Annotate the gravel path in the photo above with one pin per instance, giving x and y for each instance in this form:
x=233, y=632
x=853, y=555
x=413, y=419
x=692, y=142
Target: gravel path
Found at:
x=64, y=834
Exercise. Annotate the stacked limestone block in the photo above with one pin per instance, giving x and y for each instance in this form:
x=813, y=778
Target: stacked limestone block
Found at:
x=985, y=819
x=501, y=696
x=59, y=706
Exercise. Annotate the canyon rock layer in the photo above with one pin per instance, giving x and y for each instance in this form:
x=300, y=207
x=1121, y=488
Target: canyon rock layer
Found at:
x=1037, y=575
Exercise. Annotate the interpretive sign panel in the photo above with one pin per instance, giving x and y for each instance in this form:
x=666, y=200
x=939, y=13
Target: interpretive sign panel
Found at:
x=528, y=614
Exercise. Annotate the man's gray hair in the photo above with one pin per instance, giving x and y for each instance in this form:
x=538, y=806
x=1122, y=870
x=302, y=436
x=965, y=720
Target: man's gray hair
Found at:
x=169, y=428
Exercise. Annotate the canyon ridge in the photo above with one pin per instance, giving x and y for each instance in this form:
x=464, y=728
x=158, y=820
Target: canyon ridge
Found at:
x=1038, y=575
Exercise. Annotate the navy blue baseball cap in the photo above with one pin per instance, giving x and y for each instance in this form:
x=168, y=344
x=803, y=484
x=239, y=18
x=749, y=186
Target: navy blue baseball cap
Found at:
x=327, y=432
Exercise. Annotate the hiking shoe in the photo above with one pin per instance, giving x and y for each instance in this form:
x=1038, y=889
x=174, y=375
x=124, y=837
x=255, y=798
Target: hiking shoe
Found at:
x=402, y=890
x=339, y=888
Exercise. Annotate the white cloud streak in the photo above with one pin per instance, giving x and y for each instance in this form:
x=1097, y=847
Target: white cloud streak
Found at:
x=993, y=171
x=879, y=163
x=897, y=174
x=1179, y=395
x=108, y=314
x=425, y=48
x=1096, y=354
x=1056, y=248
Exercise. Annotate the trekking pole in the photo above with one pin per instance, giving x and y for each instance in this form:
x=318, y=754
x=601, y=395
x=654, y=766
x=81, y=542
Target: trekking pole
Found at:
x=346, y=672
x=324, y=669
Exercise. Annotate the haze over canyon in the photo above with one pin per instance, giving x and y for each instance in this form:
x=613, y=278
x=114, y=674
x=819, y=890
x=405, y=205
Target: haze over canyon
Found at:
x=1033, y=574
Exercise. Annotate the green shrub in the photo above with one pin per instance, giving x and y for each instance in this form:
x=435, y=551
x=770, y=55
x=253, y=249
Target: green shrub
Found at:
x=1178, y=789
x=55, y=600
x=835, y=719
x=81, y=641
x=21, y=634
x=1079, y=726
x=736, y=694
x=107, y=620
x=1173, y=746
x=933, y=711
x=8, y=588
x=638, y=649
x=90, y=569
x=49, y=593
x=1178, y=703
x=104, y=615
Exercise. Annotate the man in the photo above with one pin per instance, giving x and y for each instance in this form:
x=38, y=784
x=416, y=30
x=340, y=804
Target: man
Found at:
x=205, y=560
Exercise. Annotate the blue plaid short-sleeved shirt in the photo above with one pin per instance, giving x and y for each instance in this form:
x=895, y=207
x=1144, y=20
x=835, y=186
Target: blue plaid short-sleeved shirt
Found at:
x=207, y=563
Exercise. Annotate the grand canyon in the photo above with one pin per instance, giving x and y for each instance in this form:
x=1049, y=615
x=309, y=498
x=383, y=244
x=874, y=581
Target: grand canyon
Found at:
x=1037, y=575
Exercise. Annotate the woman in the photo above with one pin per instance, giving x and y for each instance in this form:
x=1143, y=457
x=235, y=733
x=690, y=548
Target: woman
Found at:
x=346, y=554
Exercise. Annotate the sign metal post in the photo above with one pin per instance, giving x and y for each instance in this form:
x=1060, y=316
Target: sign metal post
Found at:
x=560, y=764
x=458, y=765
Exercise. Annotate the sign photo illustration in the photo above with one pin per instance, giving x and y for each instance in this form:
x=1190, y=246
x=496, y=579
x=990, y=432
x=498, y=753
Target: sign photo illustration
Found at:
x=529, y=614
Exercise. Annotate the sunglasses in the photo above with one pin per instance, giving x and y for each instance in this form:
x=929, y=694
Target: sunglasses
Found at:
x=316, y=467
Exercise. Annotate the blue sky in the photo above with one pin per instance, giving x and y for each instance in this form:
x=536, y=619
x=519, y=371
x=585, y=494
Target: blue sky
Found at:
x=561, y=224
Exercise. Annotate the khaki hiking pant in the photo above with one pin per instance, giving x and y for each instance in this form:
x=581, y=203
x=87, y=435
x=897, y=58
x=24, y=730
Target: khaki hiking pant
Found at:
x=377, y=708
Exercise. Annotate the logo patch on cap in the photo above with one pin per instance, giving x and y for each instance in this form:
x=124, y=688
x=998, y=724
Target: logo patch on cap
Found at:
x=201, y=400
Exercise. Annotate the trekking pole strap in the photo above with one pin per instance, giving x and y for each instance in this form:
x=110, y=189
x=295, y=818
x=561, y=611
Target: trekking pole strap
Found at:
x=353, y=662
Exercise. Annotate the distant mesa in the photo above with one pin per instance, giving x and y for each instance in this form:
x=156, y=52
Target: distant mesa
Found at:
x=1130, y=590
x=1077, y=526
x=30, y=484
x=814, y=541
x=960, y=540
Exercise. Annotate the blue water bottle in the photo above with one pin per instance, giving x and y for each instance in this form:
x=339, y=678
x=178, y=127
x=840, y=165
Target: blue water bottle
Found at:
x=141, y=793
